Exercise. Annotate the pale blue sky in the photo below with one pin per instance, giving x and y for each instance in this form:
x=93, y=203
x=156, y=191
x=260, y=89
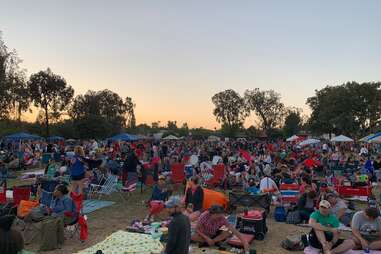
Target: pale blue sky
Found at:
x=172, y=56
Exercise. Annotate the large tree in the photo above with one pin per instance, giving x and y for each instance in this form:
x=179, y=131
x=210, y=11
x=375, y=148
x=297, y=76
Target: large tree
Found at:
x=293, y=122
x=103, y=112
x=229, y=110
x=130, y=115
x=50, y=92
x=14, y=95
x=267, y=107
x=351, y=109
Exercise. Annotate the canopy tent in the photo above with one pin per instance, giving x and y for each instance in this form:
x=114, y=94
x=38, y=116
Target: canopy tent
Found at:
x=55, y=138
x=21, y=136
x=310, y=141
x=341, y=138
x=213, y=138
x=376, y=138
x=170, y=137
x=124, y=137
x=293, y=138
x=365, y=139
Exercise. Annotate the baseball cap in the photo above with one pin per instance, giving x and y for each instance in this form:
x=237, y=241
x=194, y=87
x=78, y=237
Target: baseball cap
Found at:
x=162, y=177
x=173, y=201
x=325, y=204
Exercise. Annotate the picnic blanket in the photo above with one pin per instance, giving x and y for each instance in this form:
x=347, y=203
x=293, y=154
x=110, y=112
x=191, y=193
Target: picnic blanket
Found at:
x=92, y=205
x=122, y=242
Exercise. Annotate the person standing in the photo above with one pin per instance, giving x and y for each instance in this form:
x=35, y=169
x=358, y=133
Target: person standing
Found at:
x=179, y=229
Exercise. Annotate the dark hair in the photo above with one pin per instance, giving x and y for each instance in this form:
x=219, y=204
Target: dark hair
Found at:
x=63, y=189
x=216, y=209
x=195, y=179
x=372, y=212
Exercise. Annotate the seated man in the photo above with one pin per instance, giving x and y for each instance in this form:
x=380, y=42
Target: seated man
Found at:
x=366, y=230
x=306, y=203
x=324, y=234
x=339, y=209
x=209, y=225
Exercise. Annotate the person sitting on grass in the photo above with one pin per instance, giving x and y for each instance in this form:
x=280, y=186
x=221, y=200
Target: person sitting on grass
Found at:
x=366, y=230
x=208, y=229
x=194, y=199
x=324, y=234
x=160, y=194
x=306, y=203
x=179, y=229
x=340, y=209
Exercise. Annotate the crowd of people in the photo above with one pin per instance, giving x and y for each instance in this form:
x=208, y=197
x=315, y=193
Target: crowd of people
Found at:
x=252, y=166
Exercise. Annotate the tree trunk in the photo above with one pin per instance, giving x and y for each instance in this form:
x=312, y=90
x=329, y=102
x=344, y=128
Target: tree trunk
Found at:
x=47, y=121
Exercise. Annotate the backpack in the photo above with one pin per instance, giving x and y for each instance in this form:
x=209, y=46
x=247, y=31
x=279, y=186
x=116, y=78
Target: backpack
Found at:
x=293, y=243
x=293, y=218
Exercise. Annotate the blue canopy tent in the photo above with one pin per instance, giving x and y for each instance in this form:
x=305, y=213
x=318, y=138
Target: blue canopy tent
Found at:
x=376, y=138
x=21, y=136
x=55, y=138
x=124, y=137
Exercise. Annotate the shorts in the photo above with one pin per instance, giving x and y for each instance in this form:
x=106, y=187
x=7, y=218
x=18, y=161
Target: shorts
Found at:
x=314, y=241
x=78, y=177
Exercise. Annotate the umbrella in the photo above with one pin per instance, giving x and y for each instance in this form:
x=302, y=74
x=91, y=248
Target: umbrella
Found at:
x=292, y=139
x=170, y=137
x=341, y=138
x=22, y=136
x=124, y=137
x=310, y=141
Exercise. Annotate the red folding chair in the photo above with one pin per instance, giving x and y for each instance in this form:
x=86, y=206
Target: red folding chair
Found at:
x=21, y=193
x=81, y=222
x=3, y=194
x=218, y=175
x=289, y=193
x=178, y=174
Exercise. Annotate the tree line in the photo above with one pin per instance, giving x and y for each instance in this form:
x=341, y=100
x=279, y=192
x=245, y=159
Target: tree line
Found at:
x=352, y=109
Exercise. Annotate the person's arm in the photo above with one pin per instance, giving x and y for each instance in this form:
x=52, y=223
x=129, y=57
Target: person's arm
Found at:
x=341, y=213
x=172, y=237
x=317, y=226
x=235, y=232
x=302, y=202
x=204, y=236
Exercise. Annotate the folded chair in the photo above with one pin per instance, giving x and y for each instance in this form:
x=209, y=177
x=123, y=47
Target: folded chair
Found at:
x=110, y=186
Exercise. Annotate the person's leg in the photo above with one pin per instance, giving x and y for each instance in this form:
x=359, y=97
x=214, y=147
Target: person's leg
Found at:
x=376, y=245
x=345, y=246
x=322, y=240
x=197, y=238
x=222, y=236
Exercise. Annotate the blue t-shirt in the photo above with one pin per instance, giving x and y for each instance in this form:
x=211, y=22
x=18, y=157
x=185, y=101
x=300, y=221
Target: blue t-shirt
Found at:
x=158, y=194
x=77, y=167
x=61, y=205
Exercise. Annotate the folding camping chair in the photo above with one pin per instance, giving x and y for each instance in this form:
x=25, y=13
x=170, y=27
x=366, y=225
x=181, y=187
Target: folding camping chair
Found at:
x=178, y=174
x=80, y=223
x=110, y=186
x=289, y=194
x=218, y=175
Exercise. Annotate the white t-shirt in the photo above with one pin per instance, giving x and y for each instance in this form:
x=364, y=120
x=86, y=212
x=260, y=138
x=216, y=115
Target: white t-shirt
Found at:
x=267, y=183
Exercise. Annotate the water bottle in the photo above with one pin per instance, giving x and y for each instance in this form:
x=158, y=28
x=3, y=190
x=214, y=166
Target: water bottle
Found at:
x=367, y=250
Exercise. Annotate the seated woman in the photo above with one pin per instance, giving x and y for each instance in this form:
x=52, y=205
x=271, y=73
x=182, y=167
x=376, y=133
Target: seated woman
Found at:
x=160, y=194
x=194, y=199
x=11, y=241
x=306, y=203
x=208, y=229
x=62, y=205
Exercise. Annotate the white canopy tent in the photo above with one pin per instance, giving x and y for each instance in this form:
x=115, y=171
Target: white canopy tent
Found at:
x=213, y=138
x=376, y=140
x=365, y=139
x=170, y=137
x=292, y=139
x=310, y=141
x=341, y=138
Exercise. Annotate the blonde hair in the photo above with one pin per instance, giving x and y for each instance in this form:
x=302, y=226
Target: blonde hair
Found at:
x=78, y=150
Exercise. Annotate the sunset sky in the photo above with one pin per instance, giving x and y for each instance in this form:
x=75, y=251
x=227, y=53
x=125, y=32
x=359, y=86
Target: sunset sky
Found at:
x=171, y=57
